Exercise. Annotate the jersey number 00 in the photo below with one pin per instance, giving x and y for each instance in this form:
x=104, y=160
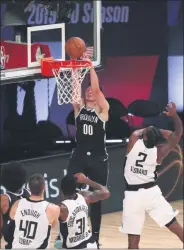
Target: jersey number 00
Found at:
x=87, y=129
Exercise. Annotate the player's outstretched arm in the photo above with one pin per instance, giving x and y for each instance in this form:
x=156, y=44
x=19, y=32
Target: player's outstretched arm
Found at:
x=165, y=133
x=175, y=136
x=99, y=96
x=76, y=84
x=100, y=192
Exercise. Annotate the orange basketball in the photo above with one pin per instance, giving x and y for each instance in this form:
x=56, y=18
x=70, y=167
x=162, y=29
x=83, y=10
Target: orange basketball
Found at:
x=75, y=47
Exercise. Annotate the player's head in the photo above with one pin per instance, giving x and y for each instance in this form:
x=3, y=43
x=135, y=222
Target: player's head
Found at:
x=37, y=184
x=68, y=185
x=13, y=176
x=89, y=96
x=152, y=137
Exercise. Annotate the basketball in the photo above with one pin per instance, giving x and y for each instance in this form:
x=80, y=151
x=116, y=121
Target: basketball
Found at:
x=75, y=47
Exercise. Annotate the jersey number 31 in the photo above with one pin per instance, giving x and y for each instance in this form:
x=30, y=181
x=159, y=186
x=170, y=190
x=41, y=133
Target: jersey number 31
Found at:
x=87, y=129
x=81, y=226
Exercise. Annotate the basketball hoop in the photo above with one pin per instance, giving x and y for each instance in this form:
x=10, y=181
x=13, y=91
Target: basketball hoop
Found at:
x=69, y=77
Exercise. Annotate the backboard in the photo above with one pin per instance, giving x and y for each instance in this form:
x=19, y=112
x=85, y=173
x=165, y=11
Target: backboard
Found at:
x=37, y=32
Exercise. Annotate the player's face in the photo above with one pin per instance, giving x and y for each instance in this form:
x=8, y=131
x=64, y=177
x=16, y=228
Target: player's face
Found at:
x=89, y=95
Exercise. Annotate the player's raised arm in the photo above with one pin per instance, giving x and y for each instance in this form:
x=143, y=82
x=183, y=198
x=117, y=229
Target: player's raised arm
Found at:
x=76, y=106
x=99, y=96
x=165, y=133
x=175, y=136
x=100, y=192
x=102, y=102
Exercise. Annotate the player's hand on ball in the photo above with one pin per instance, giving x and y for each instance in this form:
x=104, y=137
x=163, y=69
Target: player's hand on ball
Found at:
x=170, y=109
x=85, y=57
x=81, y=178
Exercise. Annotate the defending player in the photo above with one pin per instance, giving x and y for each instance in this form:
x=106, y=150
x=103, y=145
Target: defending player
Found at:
x=90, y=156
x=146, y=149
x=34, y=217
x=74, y=211
x=13, y=178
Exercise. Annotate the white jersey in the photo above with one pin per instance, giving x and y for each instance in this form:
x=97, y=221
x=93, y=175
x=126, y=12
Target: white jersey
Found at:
x=77, y=229
x=32, y=229
x=141, y=163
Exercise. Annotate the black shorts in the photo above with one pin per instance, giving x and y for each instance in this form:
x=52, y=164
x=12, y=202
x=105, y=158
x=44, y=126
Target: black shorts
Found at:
x=93, y=166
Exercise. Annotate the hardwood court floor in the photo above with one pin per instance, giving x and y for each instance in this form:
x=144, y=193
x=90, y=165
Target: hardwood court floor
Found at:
x=153, y=236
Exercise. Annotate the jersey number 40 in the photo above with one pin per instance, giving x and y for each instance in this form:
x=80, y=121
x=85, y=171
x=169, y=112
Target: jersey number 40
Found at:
x=29, y=229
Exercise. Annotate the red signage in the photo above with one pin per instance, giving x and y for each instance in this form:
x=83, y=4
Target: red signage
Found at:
x=14, y=55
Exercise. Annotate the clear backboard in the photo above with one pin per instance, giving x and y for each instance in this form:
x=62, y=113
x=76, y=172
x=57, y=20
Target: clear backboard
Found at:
x=33, y=30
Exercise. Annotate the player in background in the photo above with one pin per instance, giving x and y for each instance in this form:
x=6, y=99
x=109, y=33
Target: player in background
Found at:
x=147, y=149
x=13, y=177
x=34, y=217
x=74, y=211
x=90, y=156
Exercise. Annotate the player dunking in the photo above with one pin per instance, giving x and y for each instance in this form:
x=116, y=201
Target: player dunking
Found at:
x=90, y=156
x=146, y=149
x=34, y=217
x=13, y=178
x=74, y=211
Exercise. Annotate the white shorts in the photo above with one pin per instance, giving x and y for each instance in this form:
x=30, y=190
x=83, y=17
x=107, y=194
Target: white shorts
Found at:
x=136, y=203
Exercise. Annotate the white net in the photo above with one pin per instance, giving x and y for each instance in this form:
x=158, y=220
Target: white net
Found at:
x=69, y=82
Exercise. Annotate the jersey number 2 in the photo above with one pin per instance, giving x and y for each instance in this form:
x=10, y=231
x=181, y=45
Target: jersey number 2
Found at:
x=29, y=229
x=81, y=226
x=143, y=156
x=87, y=129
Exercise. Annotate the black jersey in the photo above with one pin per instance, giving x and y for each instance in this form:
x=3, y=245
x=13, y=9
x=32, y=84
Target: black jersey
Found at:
x=8, y=224
x=90, y=132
